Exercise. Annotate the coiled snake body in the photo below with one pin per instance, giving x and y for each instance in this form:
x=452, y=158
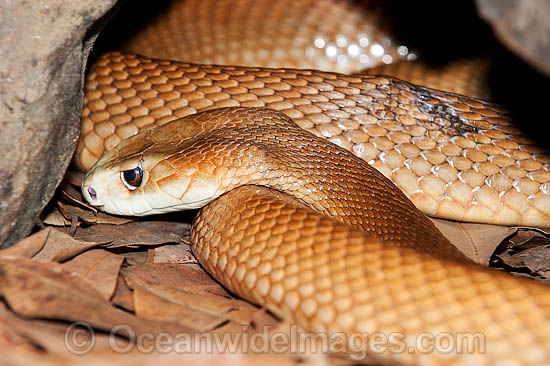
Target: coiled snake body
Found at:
x=344, y=250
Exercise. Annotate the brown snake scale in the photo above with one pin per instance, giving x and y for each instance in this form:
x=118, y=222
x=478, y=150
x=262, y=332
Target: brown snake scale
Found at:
x=295, y=34
x=453, y=156
x=301, y=226
x=330, y=278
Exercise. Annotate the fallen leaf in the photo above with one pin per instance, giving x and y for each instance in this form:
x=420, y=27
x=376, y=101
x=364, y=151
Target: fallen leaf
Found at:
x=98, y=268
x=28, y=246
x=123, y=296
x=42, y=338
x=537, y=259
x=73, y=212
x=210, y=304
x=47, y=290
x=60, y=246
x=189, y=278
x=133, y=256
x=155, y=307
x=71, y=194
x=134, y=233
x=262, y=318
x=47, y=342
x=528, y=238
x=476, y=241
x=10, y=337
x=526, y=254
x=180, y=253
x=55, y=218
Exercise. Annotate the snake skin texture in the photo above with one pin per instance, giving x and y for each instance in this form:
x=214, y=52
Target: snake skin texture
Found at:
x=343, y=252
x=455, y=157
x=330, y=278
x=330, y=35
x=465, y=77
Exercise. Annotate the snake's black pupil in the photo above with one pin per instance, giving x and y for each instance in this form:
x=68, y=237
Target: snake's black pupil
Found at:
x=133, y=177
x=130, y=175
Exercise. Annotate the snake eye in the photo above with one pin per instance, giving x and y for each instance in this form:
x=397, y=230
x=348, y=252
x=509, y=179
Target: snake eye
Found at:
x=132, y=178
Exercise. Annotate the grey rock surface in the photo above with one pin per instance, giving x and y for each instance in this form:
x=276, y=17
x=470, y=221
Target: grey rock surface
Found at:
x=522, y=26
x=43, y=51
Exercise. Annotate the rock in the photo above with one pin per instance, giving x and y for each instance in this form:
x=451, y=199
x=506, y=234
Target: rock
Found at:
x=44, y=47
x=523, y=27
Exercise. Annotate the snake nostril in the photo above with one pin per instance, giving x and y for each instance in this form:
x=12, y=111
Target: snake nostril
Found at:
x=92, y=193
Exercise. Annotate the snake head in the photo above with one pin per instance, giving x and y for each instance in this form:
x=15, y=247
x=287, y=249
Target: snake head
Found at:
x=151, y=173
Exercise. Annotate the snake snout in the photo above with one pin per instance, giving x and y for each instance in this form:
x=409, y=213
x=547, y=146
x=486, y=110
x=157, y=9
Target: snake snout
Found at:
x=92, y=196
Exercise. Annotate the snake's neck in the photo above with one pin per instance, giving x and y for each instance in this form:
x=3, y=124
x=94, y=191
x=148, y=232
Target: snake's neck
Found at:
x=325, y=178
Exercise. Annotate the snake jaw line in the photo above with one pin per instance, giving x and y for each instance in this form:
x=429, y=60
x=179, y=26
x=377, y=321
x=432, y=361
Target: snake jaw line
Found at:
x=104, y=187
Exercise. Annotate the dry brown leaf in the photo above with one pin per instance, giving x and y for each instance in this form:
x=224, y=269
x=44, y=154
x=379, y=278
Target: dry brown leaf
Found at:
x=248, y=316
x=152, y=306
x=41, y=338
x=180, y=253
x=262, y=318
x=47, y=290
x=254, y=322
x=48, y=342
x=134, y=233
x=189, y=278
x=60, y=246
x=10, y=337
x=135, y=256
x=229, y=328
x=213, y=304
x=55, y=218
x=123, y=296
x=537, y=259
x=73, y=212
x=28, y=246
x=72, y=194
x=527, y=253
x=514, y=261
x=99, y=268
x=522, y=237
x=476, y=241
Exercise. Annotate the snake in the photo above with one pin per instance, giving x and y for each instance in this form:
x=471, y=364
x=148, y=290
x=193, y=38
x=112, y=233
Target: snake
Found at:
x=314, y=188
